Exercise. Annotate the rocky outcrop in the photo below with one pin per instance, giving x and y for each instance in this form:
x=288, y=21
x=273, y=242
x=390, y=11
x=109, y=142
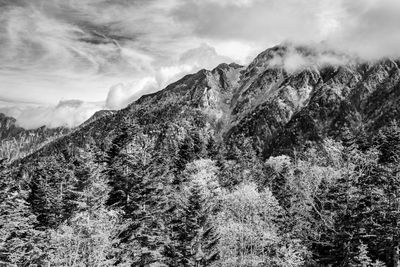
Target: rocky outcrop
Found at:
x=279, y=110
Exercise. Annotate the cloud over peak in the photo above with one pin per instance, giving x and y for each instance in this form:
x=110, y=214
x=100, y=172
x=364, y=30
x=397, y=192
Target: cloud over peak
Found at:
x=79, y=49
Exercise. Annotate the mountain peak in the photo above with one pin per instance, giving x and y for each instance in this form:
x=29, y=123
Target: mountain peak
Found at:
x=272, y=95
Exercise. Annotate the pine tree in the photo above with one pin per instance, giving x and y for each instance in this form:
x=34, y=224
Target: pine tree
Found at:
x=49, y=194
x=212, y=148
x=349, y=142
x=193, y=239
x=185, y=154
x=137, y=188
x=142, y=234
x=388, y=143
x=21, y=244
x=363, y=260
x=86, y=238
x=116, y=170
x=378, y=205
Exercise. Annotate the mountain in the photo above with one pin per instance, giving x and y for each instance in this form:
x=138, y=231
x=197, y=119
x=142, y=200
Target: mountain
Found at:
x=17, y=141
x=277, y=109
x=7, y=127
x=311, y=130
x=200, y=100
x=280, y=110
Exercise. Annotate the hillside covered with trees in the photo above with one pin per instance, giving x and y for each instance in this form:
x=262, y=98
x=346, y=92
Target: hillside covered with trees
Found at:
x=237, y=166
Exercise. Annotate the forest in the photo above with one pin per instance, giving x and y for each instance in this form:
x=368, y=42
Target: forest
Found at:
x=149, y=201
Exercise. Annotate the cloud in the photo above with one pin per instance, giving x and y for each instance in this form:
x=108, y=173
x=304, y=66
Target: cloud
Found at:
x=71, y=113
x=120, y=95
x=269, y=22
x=203, y=56
x=192, y=60
x=368, y=28
x=55, y=49
x=34, y=38
x=296, y=58
x=239, y=3
x=68, y=113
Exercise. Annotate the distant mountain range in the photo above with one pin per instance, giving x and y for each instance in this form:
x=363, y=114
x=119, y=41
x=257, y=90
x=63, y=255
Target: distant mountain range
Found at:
x=16, y=142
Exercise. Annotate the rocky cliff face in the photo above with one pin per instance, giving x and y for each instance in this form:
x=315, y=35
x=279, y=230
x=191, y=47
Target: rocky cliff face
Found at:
x=280, y=109
x=9, y=129
x=16, y=141
x=288, y=96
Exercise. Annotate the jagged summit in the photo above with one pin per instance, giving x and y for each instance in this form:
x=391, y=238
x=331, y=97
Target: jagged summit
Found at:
x=286, y=96
x=202, y=89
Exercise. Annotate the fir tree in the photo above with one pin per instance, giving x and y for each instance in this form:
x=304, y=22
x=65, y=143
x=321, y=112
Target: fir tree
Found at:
x=212, y=148
x=185, y=154
x=137, y=189
x=193, y=239
x=21, y=244
x=142, y=234
x=115, y=170
x=86, y=239
x=388, y=143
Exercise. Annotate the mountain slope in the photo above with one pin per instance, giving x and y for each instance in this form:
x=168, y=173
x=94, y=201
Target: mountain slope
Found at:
x=276, y=108
x=280, y=110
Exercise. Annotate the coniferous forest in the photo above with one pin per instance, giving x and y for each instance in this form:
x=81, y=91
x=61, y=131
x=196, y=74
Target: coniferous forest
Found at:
x=208, y=205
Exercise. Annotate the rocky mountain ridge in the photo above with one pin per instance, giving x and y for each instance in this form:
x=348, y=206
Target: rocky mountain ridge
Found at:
x=16, y=141
x=275, y=107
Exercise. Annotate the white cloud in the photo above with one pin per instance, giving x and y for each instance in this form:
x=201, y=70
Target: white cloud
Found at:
x=297, y=58
x=67, y=113
x=241, y=52
x=365, y=27
x=239, y=3
x=168, y=74
x=120, y=95
x=192, y=60
x=71, y=113
x=369, y=28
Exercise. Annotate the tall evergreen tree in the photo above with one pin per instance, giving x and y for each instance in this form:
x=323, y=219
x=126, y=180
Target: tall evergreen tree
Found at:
x=193, y=239
x=142, y=233
x=137, y=189
x=21, y=244
x=116, y=170
x=86, y=238
x=186, y=154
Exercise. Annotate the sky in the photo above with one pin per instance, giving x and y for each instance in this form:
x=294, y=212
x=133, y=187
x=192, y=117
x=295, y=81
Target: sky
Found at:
x=62, y=60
